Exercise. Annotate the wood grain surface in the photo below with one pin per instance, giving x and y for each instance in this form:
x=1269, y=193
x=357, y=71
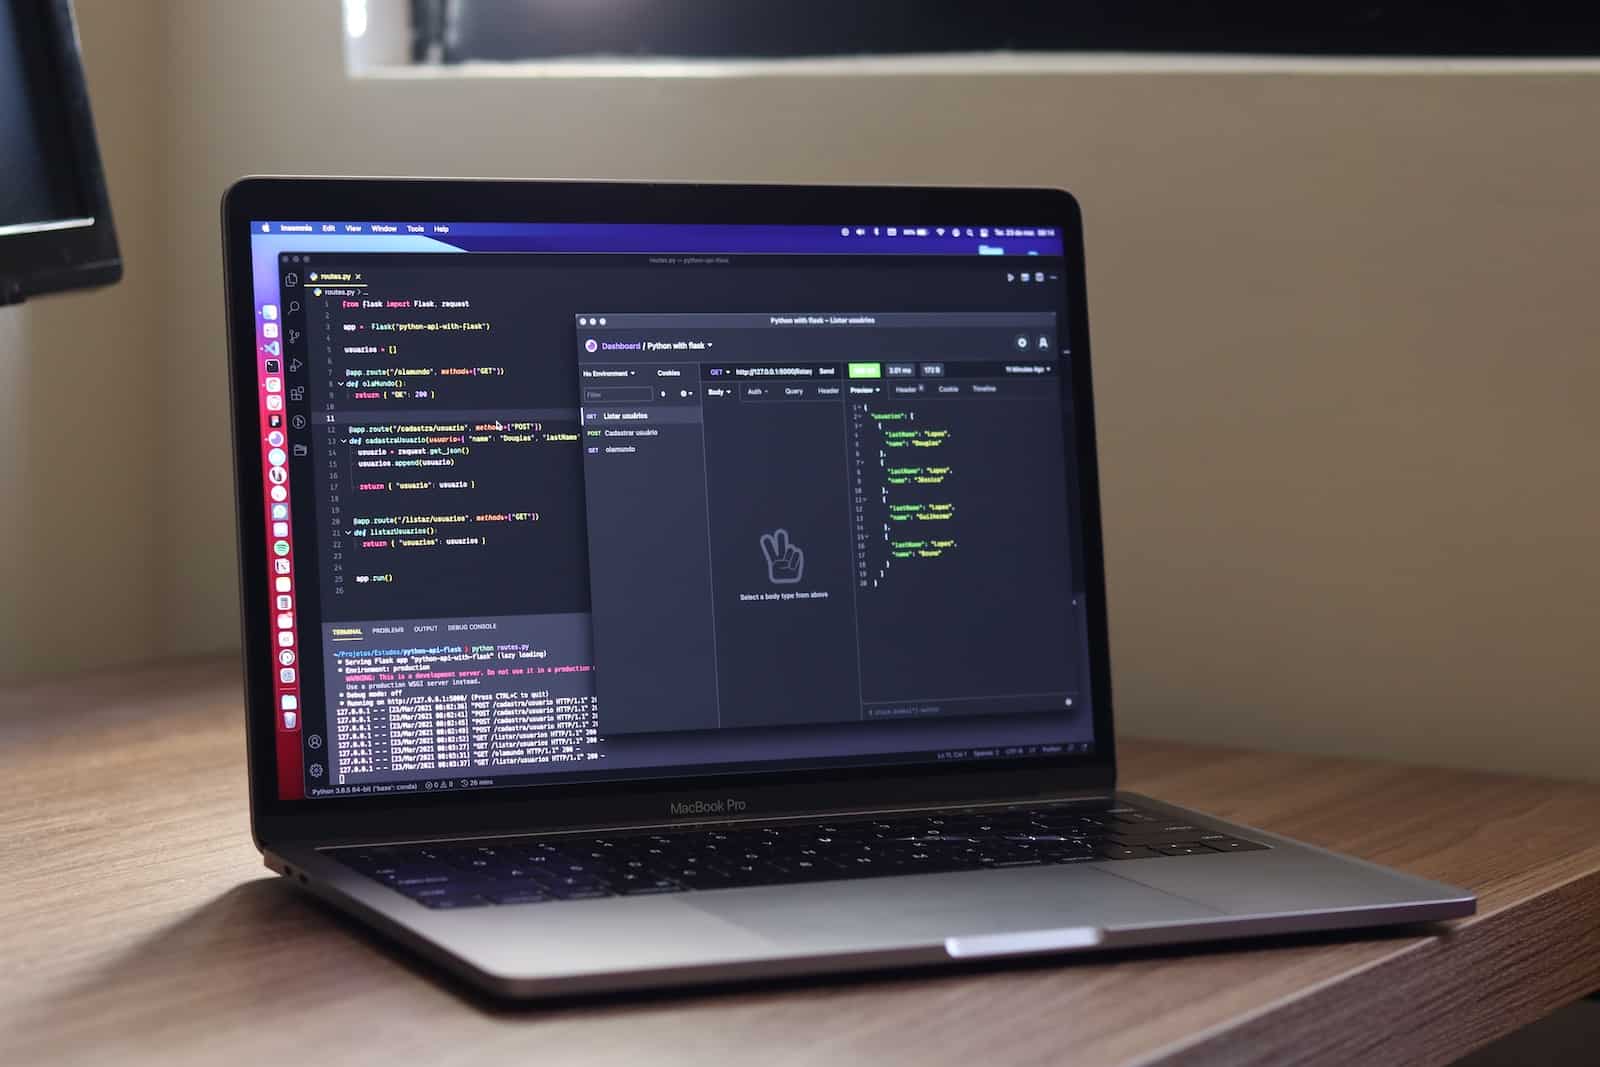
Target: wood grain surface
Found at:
x=138, y=926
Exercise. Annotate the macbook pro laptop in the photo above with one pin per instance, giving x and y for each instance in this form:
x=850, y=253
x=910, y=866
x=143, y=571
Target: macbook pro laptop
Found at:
x=647, y=585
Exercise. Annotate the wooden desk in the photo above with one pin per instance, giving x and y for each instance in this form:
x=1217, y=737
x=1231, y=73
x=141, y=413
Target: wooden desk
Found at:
x=137, y=925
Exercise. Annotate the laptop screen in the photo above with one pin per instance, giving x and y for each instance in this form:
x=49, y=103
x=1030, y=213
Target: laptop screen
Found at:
x=566, y=502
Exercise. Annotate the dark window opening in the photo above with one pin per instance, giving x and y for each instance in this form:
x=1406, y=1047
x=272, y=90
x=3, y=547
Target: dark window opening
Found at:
x=454, y=31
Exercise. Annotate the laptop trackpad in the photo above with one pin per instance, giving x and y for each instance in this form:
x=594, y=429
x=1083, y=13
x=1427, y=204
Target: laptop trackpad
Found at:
x=933, y=907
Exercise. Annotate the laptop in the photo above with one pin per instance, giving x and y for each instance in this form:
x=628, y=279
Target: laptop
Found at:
x=647, y=585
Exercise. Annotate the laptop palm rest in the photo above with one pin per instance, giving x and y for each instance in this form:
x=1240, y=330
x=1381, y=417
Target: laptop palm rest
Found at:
x=972, y=913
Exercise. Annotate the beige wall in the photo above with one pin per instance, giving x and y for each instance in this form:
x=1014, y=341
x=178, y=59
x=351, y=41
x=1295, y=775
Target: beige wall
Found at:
x=1343, y=324
x=81, y=402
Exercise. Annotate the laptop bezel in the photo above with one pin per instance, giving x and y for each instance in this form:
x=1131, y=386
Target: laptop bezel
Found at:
x=646, y=802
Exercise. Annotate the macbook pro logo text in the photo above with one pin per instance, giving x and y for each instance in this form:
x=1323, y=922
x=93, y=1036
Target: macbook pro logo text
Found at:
x=726, y=806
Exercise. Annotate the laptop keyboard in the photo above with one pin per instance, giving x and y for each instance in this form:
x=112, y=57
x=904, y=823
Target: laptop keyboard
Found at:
x=531, y=870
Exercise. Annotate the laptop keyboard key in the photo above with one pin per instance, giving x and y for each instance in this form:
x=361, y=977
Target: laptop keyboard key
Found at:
x=444, y=896
x=1127, y=852
x=583, y=891
x=1224, y=843
x=637, y=884
x=518, y=895
x=407, y=877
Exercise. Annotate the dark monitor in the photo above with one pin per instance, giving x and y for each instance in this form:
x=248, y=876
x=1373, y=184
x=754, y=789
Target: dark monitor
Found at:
x=55, y=217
